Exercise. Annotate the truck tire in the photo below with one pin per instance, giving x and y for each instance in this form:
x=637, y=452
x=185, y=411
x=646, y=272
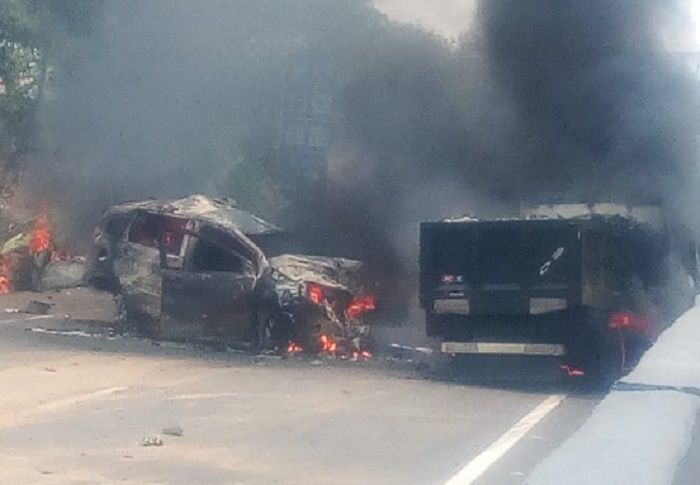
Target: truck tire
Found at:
x=602, y=365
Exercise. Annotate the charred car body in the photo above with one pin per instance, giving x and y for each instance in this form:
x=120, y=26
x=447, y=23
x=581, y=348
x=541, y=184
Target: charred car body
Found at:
x=590, y=285
x=197, y=267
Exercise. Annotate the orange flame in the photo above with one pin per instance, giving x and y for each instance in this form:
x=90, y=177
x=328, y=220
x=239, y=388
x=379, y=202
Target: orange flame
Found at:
x=5, y=285
x=316, y=293
x=361, y=355
x=328, y=344
x=5, y=275
x=331, y=346
x=41, y=238
x=294, y=348
x=361, y=305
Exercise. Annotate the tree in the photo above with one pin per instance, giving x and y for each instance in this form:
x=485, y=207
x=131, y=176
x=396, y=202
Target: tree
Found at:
x=34, y=34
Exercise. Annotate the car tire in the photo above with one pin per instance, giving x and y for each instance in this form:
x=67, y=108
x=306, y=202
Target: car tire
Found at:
x=121, y=319
x=271, y=331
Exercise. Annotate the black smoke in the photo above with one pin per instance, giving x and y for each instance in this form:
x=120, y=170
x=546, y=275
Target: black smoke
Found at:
x=604, y=111
x=541, y=100
x=545, y=101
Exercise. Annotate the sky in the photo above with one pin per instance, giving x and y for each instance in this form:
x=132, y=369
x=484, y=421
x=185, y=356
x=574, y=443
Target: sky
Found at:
x=696, y=15
x=446, y=17
x=450, y=18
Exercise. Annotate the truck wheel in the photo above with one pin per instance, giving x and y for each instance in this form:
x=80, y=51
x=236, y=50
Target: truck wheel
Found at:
x=601, y=365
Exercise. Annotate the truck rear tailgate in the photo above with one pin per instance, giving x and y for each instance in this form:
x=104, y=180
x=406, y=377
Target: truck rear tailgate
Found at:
x=510, y=267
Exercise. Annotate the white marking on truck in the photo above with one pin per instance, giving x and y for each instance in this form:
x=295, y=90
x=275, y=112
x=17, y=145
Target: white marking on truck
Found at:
x=500, y=447
x=548, y=264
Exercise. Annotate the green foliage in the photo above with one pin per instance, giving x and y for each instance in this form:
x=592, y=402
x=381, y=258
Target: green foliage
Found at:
x=39, y=23
x=17, y=21
x=32, y=34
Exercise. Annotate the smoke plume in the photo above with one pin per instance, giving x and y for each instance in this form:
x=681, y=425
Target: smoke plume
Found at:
x=541, y=100
x=603, y=110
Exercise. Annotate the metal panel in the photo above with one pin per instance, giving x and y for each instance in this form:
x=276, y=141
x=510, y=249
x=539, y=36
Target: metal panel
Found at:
x=455, y=306
x=538, y=306
x=503, y=348
x=219, y=302
x=138, y=269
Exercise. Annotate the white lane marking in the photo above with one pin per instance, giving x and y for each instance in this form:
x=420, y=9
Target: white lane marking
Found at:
x=88, y=396
x=194, y=397
x=64, y=333
x=28, y=414
x=500, y=447
x=35, y=317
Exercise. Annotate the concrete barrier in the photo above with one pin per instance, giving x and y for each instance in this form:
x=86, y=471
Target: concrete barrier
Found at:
x=642, y=429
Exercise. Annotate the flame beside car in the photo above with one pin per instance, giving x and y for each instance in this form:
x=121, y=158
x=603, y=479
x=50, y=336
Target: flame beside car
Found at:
x=21, y=250
x=5, y=275
x=41, y=238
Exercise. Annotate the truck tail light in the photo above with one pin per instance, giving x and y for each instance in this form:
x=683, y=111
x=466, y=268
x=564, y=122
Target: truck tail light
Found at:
x=315, y=293
x=629, y=321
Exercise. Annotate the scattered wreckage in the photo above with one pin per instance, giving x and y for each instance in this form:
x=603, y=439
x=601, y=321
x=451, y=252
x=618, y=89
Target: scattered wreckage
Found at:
x=200, y=266
x=30, y=260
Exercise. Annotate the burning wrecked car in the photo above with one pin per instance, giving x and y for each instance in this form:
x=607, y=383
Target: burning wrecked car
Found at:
x=200, y=266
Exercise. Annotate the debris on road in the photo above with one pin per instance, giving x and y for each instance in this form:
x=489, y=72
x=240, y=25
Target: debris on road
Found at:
x=35, y=307
x=63, y=274
x=174, y=430
x=154, y=440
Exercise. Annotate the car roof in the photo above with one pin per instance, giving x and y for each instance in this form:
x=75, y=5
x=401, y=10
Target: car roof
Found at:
x=219, y=211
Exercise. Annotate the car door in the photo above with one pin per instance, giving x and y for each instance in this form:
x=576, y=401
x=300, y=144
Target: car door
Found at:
x=137, y=266
x=213, y=292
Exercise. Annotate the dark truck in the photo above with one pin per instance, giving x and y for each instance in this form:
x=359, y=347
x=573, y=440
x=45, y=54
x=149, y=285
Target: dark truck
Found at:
x=592, y=286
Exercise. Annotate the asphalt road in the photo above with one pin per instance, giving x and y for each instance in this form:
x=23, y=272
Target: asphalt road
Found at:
x=76, y=408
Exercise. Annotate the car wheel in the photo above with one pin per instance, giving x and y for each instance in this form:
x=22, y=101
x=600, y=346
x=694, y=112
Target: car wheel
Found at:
x=272, y=331
x=121, y=318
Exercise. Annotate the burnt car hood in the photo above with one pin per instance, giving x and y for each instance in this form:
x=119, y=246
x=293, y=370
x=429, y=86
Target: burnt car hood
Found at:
x=339, y=273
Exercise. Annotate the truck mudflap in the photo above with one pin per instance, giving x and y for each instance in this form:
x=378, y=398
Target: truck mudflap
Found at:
x=504, y=348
